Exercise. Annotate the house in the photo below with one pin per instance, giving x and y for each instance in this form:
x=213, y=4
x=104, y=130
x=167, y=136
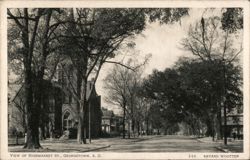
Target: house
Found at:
x=234, y=122
x=111, y=123
x=107, y=120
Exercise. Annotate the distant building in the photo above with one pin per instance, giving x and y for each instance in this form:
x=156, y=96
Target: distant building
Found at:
x=234, y=122
x=111, y=123
x=107, y=119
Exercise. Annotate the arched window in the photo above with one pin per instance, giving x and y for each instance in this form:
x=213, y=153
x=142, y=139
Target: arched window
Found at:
x=67, y=122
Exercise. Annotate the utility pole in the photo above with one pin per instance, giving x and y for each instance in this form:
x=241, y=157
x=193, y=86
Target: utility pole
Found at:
x=225, y=125
x=89, y=123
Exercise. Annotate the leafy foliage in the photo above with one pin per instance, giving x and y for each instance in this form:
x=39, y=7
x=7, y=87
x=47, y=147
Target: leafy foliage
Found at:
x=232, y=19
x=192, y=92
x=166, y=15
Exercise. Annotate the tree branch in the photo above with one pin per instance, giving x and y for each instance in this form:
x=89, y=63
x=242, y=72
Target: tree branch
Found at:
x=231, y=60
x=14, y=18
x=118, y=63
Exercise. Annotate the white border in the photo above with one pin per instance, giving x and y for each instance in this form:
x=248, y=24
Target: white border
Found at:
x=129, y=3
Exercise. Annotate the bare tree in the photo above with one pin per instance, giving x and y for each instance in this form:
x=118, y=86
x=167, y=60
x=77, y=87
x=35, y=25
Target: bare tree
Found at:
x=122, y=86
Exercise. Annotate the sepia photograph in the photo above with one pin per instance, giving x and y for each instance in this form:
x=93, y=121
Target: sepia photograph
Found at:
x=92, y=82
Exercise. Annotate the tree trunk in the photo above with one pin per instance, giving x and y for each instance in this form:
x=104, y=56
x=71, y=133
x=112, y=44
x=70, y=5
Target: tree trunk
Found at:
x=213, y=131
x=34, y=118
x=147, y=127
x=138, y=128
x=123, y=123
x=225, y=124
x=79, y=129
x=31, y=111
x=209, y=129
x=133, y=126
x=80, y=107
x=218, y=125
x=129, y=128
x=85, y=105
x=32, y=115
x=132, y=116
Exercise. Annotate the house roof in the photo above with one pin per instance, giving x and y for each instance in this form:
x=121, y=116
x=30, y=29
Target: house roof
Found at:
x=107, y=113
x=15, y=89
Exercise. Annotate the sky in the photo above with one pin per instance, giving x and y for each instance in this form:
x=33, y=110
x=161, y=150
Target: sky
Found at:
x=163, y=42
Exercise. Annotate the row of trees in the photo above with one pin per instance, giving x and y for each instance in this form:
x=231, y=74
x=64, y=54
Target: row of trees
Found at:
x=122, y=86
x=195, y=91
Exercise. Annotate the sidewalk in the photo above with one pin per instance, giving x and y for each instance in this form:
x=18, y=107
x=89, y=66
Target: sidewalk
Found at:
x=71, y=145
x=60, y=146
x=234, y=146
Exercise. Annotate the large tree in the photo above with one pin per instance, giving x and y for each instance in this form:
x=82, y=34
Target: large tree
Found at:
x=28, y=25
x=164, y=90
x=96, y=35
x=95, y=39
x=204, y=85
x=215, y=46
x=191, y=93
x=33, y=51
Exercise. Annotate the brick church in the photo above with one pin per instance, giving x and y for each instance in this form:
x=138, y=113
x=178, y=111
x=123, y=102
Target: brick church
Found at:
x=58, y=112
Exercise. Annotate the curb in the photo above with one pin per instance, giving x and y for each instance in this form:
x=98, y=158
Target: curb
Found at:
x=223, y=150
x=95, y=149
x=140, y=140
x=207, y=141
x=200, y=141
